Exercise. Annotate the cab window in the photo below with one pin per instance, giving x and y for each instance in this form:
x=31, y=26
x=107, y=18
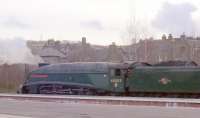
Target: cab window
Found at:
x=117, y=72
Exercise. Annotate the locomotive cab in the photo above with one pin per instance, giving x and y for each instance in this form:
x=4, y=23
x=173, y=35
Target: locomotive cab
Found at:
x=118, y=78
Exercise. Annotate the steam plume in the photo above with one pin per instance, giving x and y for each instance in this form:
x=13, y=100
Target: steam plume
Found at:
x=15, y=50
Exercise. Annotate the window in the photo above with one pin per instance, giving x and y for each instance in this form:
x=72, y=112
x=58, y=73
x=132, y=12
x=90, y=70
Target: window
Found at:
x=117, y=72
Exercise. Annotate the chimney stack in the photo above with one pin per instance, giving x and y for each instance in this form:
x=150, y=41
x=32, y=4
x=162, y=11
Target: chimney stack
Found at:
x=84, y=40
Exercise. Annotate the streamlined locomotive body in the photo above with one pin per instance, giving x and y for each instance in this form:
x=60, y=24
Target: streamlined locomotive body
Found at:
x=104, y=78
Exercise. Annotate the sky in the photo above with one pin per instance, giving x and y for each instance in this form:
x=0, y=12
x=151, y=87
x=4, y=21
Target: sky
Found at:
x=100, y=21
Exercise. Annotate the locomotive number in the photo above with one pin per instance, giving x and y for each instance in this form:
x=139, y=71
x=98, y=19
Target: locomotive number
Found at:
x=116, y=80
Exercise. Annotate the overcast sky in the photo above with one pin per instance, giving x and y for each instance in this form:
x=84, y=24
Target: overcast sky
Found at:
x=101, y=21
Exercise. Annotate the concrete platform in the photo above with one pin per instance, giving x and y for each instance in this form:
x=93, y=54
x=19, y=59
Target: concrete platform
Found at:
x=11, y=108
x=113, y=100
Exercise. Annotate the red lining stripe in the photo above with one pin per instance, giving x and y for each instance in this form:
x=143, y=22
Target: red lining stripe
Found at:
x=39, y=76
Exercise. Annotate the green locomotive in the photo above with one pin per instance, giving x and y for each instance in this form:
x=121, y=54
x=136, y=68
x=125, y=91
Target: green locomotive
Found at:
x=103, y=78
x=76, y=78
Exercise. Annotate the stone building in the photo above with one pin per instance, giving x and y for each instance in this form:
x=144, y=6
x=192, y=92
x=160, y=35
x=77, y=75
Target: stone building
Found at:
x=50, y=55
x=114, y=54
x=152, y=51
x=48, y=51
x=183, y=48
x=53, y=51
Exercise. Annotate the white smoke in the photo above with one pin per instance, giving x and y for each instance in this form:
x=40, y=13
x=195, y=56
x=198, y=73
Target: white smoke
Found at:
x=15, y=50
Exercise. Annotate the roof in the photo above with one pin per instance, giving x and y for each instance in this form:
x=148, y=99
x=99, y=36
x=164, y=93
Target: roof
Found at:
x=50, y=52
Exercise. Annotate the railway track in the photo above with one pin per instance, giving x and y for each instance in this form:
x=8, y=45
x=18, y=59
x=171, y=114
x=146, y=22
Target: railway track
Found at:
x=140, y=101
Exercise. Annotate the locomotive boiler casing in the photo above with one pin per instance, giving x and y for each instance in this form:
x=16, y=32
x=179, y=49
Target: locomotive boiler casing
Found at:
x=76, y=78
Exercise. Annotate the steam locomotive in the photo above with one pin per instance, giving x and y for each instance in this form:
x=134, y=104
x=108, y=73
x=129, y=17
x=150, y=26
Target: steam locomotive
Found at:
x=179, y=79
